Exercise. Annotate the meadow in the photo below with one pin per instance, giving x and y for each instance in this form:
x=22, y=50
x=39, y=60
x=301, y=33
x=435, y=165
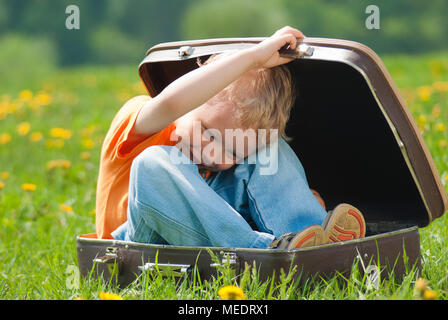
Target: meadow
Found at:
x=51, y=131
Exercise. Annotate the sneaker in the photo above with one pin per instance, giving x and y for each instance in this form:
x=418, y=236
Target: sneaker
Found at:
x=343, y=223
x=312, y=236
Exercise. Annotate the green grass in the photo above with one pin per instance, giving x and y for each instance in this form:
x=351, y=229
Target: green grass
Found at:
x=38, y=228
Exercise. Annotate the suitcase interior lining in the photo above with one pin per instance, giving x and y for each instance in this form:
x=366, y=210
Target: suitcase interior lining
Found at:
x=343, y=141
x=348, y=149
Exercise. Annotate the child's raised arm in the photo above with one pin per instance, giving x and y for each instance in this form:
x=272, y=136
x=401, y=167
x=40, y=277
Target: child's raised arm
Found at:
x=198, y=86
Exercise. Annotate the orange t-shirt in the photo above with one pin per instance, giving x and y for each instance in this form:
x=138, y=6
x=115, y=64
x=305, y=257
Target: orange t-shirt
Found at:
x=118, y=151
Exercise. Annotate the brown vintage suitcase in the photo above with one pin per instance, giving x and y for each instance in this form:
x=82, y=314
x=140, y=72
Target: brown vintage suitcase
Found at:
x=358, y=144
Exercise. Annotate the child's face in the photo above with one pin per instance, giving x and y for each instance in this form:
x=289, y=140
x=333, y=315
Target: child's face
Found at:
x=213, y=138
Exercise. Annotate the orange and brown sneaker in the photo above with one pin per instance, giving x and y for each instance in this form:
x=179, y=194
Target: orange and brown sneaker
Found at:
x=343, y=223
x=314, y=235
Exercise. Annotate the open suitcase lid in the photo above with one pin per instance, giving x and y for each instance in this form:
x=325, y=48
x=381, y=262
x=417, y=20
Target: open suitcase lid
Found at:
x=351, y=129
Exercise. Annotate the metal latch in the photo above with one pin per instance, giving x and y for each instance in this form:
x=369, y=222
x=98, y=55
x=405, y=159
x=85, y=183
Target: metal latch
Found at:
x=228, y=258
x=166, y=269
x=185, y=51
x=305, y=50
x=111, y=260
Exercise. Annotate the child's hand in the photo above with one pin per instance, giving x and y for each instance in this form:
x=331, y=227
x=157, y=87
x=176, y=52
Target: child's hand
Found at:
x=197, y=87
x=266, y=52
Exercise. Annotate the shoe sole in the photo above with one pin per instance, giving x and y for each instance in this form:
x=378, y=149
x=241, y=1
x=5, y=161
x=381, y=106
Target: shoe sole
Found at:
x=312, y=236
x=345, y=223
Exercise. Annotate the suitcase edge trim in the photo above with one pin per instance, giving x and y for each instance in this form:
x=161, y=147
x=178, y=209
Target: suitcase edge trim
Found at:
x=83, y=239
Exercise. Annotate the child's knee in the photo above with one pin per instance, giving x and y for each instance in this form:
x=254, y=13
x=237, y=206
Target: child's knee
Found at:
x=153, y=155
x=150, y=168
x=155, y=161
x=152, y=159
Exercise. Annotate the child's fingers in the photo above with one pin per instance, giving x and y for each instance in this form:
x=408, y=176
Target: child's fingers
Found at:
x=288, y=29
x=296, y=33
x=288, y=39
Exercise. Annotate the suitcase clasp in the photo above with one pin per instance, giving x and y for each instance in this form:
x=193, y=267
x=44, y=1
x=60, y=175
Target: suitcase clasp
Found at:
x=305, y=50
x=185, y=51
x=111, y=260
x=166, y=269
x=302, y=50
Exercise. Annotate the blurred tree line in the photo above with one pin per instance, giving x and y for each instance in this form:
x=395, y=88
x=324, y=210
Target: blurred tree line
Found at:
x=120, y=31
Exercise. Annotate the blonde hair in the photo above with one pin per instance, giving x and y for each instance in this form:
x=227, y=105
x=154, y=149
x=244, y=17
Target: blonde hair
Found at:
x=263, y=97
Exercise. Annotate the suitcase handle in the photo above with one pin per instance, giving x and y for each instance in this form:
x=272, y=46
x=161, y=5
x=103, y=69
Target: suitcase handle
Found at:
x=166, y=269
x=302, y=50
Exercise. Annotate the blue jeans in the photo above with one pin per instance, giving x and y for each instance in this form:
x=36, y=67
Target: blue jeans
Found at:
x=239, y=207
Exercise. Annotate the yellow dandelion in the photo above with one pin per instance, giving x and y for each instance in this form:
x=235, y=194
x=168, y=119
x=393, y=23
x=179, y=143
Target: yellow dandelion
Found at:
x=54, y=143
x=35, y=105
x=92, y=212
x=231, y=293
x=53, y=164
x=25, y=95
x=430, y=295
x=2, y=185
x=65, y=164
x=88, y=143
x=85, y=155
x=36, y=136
x=424, y=93
x=421, y=121
x=109, y=296
x=421, y=284
x=440, y=127
x=443, y=143
x=60, y=133
x=3, y=111
x=87, y=131
x=66, y=208
x=43, y=99
x=12, y=107
x=4, y=175
x=28, y=187
x=440, y=86
x=436, y=111
x=5, y=138
x=23, y=128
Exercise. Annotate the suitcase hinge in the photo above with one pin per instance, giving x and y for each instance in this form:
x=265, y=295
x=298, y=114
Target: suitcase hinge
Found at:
x=166, y=269
x=227, y=258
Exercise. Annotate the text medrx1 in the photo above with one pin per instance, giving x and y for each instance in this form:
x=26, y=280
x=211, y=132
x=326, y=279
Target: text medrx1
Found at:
x=245, y=309
x=233, y=309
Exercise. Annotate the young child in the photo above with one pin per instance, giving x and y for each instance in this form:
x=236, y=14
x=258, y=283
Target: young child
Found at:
x=156, y=185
